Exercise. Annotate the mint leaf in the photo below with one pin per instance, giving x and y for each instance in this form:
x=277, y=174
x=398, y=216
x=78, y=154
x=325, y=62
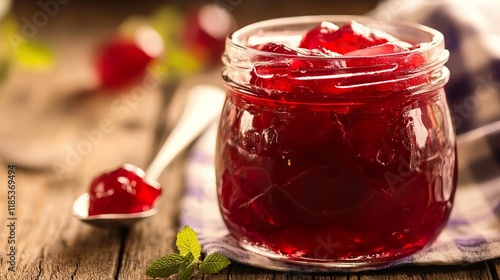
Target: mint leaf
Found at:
x=165, y=266
x=4, y=69
x=186, y=271
x=188, y=242
x=185, y=263
x=35, y=56
x=189, y=258
x=214, y=263
x=187, y=268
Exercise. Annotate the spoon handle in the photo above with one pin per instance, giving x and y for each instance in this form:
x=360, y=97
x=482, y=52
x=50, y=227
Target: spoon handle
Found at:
x=204, y=104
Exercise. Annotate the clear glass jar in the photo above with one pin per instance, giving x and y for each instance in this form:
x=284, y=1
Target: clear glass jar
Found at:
x=340, y=162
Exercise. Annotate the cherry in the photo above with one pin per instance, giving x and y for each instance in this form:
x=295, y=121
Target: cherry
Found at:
x=124, y=190
x=205, y=31
x=121, y=62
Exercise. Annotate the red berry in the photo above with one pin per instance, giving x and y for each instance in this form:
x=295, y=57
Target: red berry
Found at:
x=206, y=30
x=121, y=191
x=121, y=62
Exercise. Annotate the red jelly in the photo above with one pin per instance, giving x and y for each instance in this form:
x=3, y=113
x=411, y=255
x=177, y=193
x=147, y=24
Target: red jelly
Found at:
x=122, y=191
x=335, y=159
x=350, y=37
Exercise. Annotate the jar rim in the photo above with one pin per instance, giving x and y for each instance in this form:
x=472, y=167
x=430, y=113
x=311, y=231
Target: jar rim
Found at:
x=410, y=72
x=234, y=40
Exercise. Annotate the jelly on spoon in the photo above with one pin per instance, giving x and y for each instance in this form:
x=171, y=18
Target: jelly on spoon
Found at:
x=124, y=196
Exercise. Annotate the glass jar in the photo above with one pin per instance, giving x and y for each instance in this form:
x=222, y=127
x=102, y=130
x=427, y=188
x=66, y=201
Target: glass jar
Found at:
x=340, y=162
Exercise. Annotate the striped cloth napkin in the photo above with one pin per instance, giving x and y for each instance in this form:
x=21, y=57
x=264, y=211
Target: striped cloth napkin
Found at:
x=471, y=29
x=473, y=231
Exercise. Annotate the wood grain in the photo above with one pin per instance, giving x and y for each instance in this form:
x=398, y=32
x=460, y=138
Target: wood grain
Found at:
x=51, y=244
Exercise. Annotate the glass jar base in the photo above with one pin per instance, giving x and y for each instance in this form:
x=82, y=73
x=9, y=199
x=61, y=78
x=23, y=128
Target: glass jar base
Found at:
x=342, y=265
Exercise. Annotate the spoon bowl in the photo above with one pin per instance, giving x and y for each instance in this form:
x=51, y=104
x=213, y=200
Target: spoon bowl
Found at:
x=204, y=103
x=81, y=207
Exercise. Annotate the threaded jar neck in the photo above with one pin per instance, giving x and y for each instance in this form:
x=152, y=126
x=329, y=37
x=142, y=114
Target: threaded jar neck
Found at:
x=307, y=78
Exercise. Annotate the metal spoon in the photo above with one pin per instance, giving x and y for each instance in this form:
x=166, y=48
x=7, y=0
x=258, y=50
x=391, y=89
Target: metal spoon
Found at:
x=204, y=103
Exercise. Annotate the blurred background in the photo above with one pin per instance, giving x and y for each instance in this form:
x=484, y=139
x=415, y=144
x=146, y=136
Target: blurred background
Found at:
x=88, y=85
x=112, y=12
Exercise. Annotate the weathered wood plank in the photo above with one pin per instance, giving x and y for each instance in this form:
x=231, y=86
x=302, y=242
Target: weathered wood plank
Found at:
x=315, y=276
x=154, y=237
x=494, y=267
x=477, y=271
x=407, y=273
x=241, y=272
x=481, y=271
x=51, y=244
x=293, y=275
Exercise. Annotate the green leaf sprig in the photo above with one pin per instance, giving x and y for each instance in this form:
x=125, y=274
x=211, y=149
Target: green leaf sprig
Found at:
x=187, y=260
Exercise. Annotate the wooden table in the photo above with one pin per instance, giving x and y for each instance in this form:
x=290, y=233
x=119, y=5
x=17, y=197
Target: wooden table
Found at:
x=41, y=126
